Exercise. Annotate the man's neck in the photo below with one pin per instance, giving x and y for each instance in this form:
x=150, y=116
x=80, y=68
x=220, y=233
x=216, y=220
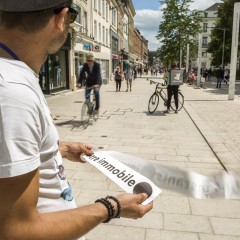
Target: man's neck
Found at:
x=28, y=48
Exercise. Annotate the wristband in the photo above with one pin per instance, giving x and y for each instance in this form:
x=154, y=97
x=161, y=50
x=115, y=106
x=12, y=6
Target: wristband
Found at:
x=118, y=215
x=110, y=209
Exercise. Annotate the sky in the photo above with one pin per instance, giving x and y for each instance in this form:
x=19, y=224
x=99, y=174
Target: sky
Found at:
x=148, y=16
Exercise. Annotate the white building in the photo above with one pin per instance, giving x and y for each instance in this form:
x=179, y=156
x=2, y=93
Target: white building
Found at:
x=210, y=17
x=92, y=34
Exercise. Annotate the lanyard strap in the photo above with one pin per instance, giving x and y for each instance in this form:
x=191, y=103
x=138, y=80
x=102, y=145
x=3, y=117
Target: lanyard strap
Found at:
x=9, y=51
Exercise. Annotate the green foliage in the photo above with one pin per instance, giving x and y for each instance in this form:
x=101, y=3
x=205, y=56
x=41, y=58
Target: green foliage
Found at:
x=179, y=27
x=225, y=13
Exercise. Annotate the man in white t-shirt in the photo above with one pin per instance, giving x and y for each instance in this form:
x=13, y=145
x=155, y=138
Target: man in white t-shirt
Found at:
x=36, y=200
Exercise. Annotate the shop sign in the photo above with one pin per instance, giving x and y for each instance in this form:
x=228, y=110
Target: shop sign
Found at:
x=97, y=48
x=87, y=47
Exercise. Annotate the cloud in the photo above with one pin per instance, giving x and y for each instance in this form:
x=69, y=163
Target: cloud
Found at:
x=147, y=21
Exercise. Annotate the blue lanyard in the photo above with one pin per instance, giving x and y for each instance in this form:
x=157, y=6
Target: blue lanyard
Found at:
x=9, y=51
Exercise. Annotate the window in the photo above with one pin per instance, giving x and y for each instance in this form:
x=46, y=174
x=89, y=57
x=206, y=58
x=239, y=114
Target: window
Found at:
x=106, y=36
x=95, y=4
x=99, y=6
x=205, y=14
x=103, y=8
x=95, y=30
x=79, y=16
x=85, y=25
x=103, y=35
x=205, y=27
x=204, y=42
x=99, y=32
x=204, y=54
x=114, y=17
x=107, y=9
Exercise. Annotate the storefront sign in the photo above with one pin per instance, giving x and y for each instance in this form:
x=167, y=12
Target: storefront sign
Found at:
x=87, y=47
x=115, y=56
x=97, y=48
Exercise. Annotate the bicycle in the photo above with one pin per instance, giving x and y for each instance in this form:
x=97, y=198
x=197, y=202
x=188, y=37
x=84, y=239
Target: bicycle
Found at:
x=88, y=109
x=159, y=92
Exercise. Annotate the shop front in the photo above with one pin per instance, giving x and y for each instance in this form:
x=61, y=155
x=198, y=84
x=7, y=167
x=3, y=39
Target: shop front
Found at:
x=114, y=50
x=54, y=74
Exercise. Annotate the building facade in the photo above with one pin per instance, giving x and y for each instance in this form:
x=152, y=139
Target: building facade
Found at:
x=104, y=28
x=209, y=17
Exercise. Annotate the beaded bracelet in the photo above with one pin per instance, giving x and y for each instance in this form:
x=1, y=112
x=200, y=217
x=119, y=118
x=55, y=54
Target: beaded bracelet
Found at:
x=110, y=208
x=118, y=205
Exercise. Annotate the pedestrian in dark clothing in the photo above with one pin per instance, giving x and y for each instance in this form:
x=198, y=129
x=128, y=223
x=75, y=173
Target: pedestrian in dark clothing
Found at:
x=220, y=76
x=94, y=78
x=118, y=79
x=172, y=90
x=209, y=74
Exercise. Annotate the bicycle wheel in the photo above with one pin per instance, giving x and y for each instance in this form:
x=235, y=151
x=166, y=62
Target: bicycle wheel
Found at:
x=153, y=103
x=85, y=114
x=180, y=102
x=95, y=114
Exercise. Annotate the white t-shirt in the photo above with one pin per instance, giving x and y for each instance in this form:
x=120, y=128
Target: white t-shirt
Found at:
x=28, y=137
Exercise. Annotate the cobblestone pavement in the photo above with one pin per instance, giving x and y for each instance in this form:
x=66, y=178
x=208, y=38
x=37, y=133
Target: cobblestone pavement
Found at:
x=203, y=137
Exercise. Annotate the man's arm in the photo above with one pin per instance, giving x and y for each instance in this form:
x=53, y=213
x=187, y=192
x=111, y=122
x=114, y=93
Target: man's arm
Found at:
x=20, y=220
x=82, y=73
x=99, y=81
x=73, y=150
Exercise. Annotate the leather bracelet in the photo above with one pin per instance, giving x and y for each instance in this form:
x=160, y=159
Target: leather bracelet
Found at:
x=118, y=215
x=110, y=209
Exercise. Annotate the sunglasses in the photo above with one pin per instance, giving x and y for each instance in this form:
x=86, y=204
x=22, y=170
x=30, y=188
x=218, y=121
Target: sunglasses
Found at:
x=72, y=12
x=89, y=60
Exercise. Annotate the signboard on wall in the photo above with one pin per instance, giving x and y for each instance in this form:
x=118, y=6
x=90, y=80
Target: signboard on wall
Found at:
x=87, y=47
x=97, y=48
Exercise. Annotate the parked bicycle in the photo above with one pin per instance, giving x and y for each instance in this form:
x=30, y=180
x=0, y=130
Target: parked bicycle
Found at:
x=88, y=109
x=160, y=92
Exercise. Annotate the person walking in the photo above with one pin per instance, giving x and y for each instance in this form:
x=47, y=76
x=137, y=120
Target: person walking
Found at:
x=220, y=76
x=209, y=74
x=94, y=79
x=129, y=78
x=118, y=79
x=172, y=90
x=36, y=199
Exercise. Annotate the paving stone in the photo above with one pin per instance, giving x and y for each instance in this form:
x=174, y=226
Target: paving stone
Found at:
x=216, y=207
x=226, y=226
x=187, y=223
x=217, y=237
x=107, y=232
x=172, y=204
x=153, y=234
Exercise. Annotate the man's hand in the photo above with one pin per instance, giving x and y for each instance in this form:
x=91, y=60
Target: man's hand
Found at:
x=73, y=150
x=131, y=205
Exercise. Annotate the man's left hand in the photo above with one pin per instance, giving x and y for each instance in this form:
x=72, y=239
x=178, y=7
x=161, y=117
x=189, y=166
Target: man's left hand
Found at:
x=73, y=150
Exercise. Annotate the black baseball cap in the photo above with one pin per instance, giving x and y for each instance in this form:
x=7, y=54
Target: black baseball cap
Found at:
x=28, y=5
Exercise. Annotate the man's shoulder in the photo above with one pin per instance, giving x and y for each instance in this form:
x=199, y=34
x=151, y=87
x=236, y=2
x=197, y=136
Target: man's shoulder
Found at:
x=97, y=64
x=19, y=84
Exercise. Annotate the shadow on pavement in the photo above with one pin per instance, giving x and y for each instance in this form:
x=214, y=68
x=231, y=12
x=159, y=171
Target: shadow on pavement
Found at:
x=156, y=114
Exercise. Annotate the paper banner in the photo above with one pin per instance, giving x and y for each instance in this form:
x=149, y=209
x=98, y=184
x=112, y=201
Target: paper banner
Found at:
x=189, y=183
x=125, y=177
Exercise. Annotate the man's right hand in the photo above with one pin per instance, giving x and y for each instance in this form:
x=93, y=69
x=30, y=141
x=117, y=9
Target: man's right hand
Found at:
x=132, y=207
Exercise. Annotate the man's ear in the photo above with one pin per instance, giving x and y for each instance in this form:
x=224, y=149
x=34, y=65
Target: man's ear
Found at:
x=60, y=18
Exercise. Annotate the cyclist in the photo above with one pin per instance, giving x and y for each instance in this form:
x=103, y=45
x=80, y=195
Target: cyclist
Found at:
x=172, y=90
x=93, y=79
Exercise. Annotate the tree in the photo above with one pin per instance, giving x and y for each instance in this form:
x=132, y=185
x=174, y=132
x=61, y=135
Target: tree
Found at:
x=225, y=13
x=179, y=27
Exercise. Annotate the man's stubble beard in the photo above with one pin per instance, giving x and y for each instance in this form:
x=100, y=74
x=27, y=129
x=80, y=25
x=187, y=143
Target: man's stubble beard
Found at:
x=58, y=41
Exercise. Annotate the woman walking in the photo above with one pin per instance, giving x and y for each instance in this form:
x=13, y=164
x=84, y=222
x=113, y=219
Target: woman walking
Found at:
x=118, y=79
